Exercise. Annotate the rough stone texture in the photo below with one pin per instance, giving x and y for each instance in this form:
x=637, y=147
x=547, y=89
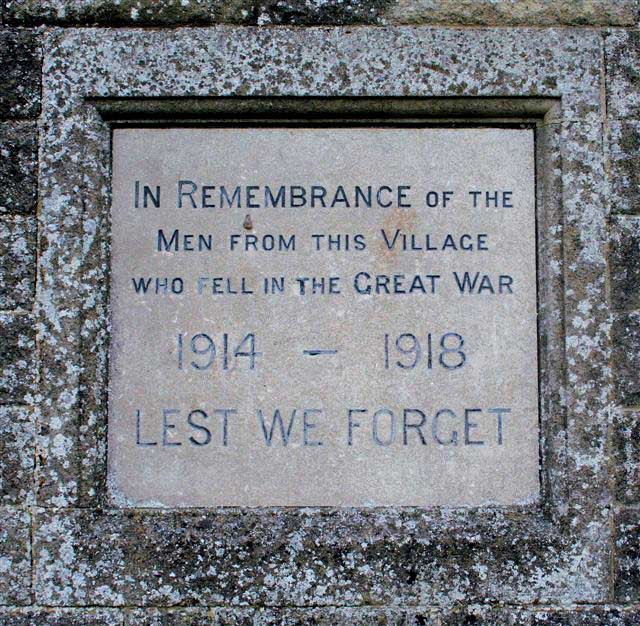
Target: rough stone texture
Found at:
x=325, y=616
x=17, y=439
x=282, y=617
x=588, y=391
x=622, y=52
x=170, y=12
x=303, y=557
x=59, y=617
x=507, y=12
x=467, y=12
x=627, y=544
x=17, y=363
x=574, y=616
x=626, y=357
x=472, y=616
x=624, y=262
x=15, y=557
x=20, y=78
x=17, y=261
x=626, y=456
x=624, y=172
x=18, y=177
x=134, y=12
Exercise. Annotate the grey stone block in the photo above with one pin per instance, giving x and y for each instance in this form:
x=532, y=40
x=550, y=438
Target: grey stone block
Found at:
x=449, y=12
x=626, y=357
x=59, y=617
x=196, y=12
x=624, y=262
x=265, y=616
x=20, y=59
x=548, y=616
x=15, y=557
x=17, y=437
x=18, y=173
x=622, y=53
x=626, y=456
x=311, y=557
x=319, y=12
x=509, y=13
x=17, y=261
x=627, y=556
x=624, y=172
x=17, y=363
x=126, y=12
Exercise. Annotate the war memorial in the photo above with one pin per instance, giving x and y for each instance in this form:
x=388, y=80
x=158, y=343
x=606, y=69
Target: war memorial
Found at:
x=320, y=312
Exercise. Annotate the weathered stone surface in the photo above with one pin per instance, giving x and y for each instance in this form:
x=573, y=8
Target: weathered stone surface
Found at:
x=474, y=616
x=195, y=12
x=305, y=557
x=570, y=616
x=478, y=615
x=17, y=365
x=551, y=334
x=319, y=12
x=15, y=557
x=627, y=556
x=588, y=391
x=17, y=261
x=20, y=60
x=18, y=152
x=133, y=12
x=509, y=13
x=281, y=617
x=622, y=52
x=444, y=12
x=624, y=262
x=59, y=617
x=624, y=171
x=427, y=62
x=626, y=456
x=17, y=437
x=626, y=357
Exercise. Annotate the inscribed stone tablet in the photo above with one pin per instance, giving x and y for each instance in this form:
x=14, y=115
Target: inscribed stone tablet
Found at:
x=323, y=317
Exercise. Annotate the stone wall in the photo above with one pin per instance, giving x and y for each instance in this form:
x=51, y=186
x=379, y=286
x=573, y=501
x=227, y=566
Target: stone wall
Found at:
x=69, y=558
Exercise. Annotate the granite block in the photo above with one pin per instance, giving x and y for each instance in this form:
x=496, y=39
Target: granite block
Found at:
x=20, y=59
x=626, y=456
x=15, y=557
x=18, y=171
x=17, y=439
x=622, y=54
x=627, y=556
x=17, y=357
x=17, y=261
x=626, y=357
x=624, y=157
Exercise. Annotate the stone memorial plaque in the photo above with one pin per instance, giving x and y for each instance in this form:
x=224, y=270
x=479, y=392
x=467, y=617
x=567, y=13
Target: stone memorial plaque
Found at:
x=323, y=317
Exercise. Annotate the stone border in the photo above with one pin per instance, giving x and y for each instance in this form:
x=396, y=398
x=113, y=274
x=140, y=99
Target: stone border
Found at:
x=322, y=12
x=556, y=553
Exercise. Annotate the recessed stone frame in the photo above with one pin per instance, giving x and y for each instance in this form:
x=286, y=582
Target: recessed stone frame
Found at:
x=91, y=551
